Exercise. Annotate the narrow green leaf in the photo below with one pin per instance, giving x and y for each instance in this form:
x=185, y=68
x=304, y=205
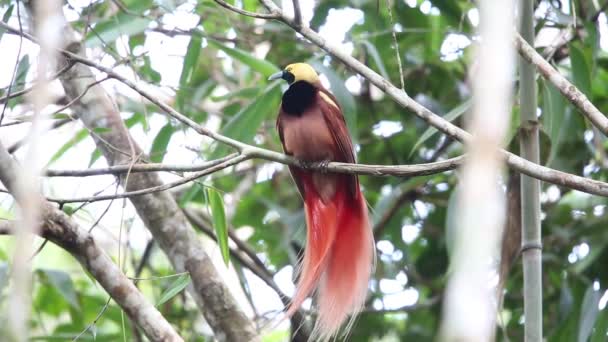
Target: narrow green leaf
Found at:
x=68, y=209
x=262, y=66
x=450, y=116
x=190, y=62
x=176, y=287
x=601, y=327
x=101, y=130
x=244, y=124
x=62, y=282
x=581, y=73
x=189, y=195
x=160, y=143
x=589, y=312
x=566, y=300
x=219, y=222
x=94, y=156
x=6, y=17
x=554, y=117
x=373, y=52
x=77, y=138
x=108, y=31
x=8, y=13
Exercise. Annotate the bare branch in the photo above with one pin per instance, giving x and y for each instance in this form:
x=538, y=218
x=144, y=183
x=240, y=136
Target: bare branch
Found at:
x=122, y=169
x=573, y=94
x=246, y=13
x=359, y=169
x=154, y=189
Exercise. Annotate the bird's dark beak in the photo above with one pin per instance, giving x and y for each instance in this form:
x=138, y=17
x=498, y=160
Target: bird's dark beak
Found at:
x=276, y=76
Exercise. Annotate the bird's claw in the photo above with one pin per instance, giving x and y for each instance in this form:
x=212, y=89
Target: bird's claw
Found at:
x=323, y=165
x=319, y=166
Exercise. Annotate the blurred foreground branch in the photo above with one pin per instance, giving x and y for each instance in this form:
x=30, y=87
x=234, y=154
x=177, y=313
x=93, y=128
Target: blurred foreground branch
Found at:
x=469, y=313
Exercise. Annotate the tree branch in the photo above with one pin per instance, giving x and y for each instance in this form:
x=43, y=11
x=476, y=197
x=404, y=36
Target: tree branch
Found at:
x=63, y=231
x=246, y=13
x=570, y=92
x=337, y=167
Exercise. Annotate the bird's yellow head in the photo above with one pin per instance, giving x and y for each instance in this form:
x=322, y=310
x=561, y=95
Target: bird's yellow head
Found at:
x=297, y=72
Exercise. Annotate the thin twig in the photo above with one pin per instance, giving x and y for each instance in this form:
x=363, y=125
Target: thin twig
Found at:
x=162, y=187
x=573, y=94
x=389, y=5
x=246, y=13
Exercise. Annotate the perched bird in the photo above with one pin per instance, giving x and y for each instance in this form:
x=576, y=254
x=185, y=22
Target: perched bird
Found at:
x=339, y=252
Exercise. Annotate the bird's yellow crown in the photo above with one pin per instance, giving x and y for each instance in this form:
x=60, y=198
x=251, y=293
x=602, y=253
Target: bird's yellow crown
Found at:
x=302, y=72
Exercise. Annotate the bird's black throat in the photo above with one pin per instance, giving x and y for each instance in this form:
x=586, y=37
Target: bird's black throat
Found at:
x=298, y=98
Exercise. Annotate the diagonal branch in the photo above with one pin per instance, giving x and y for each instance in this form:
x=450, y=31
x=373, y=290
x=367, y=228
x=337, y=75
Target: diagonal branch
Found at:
x=570, y=92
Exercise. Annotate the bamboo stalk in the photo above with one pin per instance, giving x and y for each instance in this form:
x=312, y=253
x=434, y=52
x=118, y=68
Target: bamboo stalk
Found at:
x=530, y=187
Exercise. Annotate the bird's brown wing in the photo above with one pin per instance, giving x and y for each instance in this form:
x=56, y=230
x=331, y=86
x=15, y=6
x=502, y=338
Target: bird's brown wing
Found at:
x=337, y=126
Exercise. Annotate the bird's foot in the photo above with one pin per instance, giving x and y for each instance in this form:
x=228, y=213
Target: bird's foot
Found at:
x=318, y=166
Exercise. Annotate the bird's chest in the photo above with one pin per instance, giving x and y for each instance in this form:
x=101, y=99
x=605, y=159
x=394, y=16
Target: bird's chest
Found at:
x=307, y=136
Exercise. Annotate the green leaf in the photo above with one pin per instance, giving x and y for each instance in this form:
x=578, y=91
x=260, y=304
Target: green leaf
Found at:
x=371, y=49
x=101, y=130
x=589, y=312
x=160, y=143
x=108, y=31
x=244, y=124
x=581, y=73
x=68, y=209
x=554, y=118
x=190, y=62
x=94, y=156
x=62, y=282
x=176, y=287
x=601, y=327
x=566, y=300
x=262, y=66
x=219, y=222
x=450, y=116
x=6, y=17
x=189, y=195
x=344, y=97
x=77, y=138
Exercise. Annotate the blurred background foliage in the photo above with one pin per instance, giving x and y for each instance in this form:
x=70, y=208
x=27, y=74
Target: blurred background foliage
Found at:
x=217, y=76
